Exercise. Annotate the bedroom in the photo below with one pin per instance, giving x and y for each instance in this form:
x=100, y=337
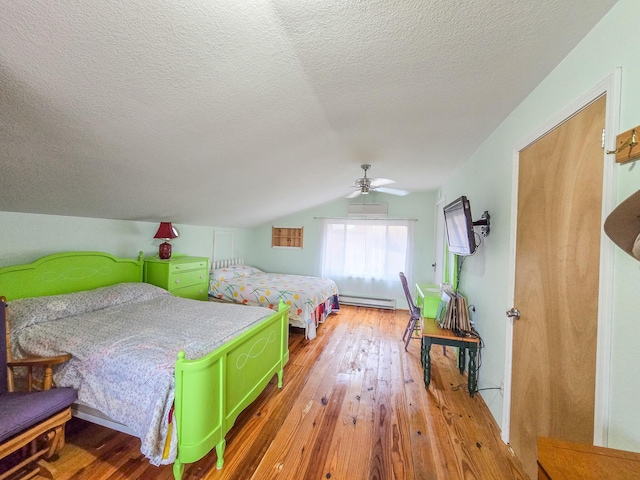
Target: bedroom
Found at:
x=485, y=178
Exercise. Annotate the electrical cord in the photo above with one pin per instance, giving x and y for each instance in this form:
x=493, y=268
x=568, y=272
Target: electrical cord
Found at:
x=479, y=241
x=473, y=332
x=463, y=257
x=465, y=386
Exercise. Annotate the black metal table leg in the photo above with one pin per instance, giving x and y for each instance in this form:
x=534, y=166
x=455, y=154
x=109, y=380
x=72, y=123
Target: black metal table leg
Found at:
x=462, y=359
x=473, y=380
x=426, y=360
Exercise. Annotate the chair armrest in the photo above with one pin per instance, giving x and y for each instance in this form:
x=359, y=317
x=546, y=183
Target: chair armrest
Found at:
x=39, y=361
x=46, y=362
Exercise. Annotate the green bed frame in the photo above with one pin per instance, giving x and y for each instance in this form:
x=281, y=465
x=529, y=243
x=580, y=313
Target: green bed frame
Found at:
x=211, y=391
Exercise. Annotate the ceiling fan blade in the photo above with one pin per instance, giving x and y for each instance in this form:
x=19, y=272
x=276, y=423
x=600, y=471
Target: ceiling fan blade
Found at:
x=353, y=194
x=393, y=191
x=380, y=182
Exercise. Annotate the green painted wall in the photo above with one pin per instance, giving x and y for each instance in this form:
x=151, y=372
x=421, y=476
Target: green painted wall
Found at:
x=486, y=180
x=306, y=261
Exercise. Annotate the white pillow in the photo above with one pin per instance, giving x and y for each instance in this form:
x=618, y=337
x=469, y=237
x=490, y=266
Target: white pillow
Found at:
x=29, y=311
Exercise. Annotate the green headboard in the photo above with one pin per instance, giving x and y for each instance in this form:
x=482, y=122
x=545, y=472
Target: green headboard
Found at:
x=66, y=273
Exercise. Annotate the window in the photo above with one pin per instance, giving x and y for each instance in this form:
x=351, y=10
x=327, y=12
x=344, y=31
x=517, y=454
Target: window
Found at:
x=368, y=249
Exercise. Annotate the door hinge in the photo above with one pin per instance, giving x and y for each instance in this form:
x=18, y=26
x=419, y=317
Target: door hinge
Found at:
x=604, y=131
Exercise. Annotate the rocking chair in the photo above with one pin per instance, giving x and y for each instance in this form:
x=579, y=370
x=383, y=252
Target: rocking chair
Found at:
x=31, y=421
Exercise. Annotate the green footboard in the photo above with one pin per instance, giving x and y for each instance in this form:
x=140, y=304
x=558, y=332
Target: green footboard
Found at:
x=212, y=391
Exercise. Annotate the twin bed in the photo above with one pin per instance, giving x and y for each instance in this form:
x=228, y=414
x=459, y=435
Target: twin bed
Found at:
x=311, y=299
x=174, y=372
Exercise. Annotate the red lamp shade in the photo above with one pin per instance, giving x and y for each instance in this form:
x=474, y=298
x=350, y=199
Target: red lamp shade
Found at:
x=166, y=231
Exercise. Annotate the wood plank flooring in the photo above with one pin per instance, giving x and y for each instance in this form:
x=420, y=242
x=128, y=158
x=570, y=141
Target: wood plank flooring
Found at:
x=353, y=406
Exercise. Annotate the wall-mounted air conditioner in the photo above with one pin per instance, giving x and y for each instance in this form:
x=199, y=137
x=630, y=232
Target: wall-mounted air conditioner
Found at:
x=367, y=210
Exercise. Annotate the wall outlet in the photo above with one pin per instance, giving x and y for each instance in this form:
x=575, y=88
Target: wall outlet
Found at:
x=502, y=388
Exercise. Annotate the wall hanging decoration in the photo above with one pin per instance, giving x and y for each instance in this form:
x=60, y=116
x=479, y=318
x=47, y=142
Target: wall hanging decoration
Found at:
x=627, y=148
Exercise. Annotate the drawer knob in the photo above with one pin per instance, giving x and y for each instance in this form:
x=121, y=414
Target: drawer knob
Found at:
x=201, y=277
x=177, y=280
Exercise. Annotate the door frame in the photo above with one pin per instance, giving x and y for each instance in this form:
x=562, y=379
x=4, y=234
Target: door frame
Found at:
x=610, y=86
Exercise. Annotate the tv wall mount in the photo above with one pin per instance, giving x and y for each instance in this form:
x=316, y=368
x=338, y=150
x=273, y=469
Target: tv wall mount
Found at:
x=483, y=223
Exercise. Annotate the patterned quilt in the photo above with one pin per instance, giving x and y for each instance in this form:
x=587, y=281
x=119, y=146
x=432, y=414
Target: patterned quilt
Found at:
x=311, y=298
x=124, y=341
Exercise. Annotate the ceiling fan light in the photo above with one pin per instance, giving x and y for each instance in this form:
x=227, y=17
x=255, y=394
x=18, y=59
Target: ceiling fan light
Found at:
x=366, y=184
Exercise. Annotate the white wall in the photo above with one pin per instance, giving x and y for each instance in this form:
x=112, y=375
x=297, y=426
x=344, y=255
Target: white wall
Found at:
x=306, y=261
x=26, y=237
x=486, y=180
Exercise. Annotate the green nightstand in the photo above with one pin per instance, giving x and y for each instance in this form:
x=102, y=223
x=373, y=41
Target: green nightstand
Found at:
x=184, y=276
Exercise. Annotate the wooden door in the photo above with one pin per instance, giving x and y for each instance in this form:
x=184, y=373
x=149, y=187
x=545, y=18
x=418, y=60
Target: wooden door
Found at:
x=556, y=284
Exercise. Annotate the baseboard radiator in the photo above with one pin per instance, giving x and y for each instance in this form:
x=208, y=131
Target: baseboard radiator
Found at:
x=368, y=301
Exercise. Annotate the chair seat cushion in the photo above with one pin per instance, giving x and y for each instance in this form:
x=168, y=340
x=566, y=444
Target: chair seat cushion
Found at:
x=21, y=410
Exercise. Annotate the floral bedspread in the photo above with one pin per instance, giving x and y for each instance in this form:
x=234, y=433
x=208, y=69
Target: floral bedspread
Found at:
x=124, y=342
x=311, y=298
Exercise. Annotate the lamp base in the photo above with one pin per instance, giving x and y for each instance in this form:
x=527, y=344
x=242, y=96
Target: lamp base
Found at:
x=164, y=252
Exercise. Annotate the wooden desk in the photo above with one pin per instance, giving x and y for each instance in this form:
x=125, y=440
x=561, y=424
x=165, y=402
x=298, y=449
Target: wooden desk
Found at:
x=433, y=334
x=560, y=460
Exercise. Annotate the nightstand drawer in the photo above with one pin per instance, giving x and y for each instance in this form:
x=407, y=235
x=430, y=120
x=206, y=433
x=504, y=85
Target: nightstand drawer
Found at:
x=183, y=267
x=182, y=275
x=195, y=292
x=185, y=279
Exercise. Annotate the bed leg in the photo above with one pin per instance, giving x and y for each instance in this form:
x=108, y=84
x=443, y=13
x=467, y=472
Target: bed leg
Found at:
x=220, y=451
x=178, y=469
x=280, y=373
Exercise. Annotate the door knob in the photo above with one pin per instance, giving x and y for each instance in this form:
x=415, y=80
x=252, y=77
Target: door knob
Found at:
x=513, y=312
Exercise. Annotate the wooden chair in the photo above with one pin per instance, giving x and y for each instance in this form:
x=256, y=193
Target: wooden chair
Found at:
x=32, y=420
x=414, y=313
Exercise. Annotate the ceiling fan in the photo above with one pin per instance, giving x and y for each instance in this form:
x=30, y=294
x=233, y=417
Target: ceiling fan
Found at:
x=365, y=184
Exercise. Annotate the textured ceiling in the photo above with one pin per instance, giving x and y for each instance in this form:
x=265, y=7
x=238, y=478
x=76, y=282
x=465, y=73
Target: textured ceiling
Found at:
x=234, y=113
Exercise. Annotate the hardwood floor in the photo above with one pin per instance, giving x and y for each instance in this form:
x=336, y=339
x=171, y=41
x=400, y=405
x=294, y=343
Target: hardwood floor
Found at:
x=353, y=406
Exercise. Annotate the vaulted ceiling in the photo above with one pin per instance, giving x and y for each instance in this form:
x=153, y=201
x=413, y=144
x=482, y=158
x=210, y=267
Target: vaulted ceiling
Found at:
x=234, y=113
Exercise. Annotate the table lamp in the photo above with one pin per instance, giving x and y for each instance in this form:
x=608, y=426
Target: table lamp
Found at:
x=167, y=232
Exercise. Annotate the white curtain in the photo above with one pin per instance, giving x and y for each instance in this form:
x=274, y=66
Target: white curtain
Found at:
x=372, y=250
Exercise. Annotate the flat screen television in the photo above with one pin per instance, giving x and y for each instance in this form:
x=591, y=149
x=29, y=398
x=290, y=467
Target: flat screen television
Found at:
x=459, y=226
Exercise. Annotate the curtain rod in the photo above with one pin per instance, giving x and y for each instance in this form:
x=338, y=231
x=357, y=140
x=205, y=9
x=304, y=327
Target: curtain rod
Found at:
x=365, y=218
